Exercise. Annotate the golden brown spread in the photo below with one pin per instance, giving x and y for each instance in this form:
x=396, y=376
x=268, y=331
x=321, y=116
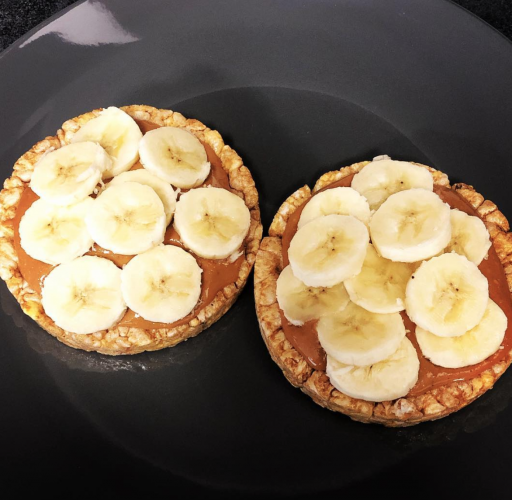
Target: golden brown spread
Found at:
x=305, y=338
x=217, y=274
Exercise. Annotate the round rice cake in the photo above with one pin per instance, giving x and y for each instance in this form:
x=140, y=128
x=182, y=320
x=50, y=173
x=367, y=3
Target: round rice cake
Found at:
x=405, y=411
x=128, y=339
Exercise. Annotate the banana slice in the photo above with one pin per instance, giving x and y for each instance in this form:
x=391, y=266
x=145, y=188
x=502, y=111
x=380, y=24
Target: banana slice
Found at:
x=69, y=174
x=84, y=295
x=387, y=380
x=470, y=237
x=447, y=295
x=380, y=286
x=54, y=234
x=162, y=284
x=175, y=155
x=380, y=179
x=118, y=133
x=127, y=219
x=212, y=222
x=358, y=337
x=469, y=349
x=164, y=190
x=328, y=250
x=411, y=226
x=301, y=303
x=340, y=200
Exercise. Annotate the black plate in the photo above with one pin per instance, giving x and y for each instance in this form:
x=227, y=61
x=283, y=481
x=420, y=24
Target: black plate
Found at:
x=297, y=88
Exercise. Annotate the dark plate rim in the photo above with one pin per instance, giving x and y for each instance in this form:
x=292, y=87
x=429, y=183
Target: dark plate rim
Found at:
x=16, y=44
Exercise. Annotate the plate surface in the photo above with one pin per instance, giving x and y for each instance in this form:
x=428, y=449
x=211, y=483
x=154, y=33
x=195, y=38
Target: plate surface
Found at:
x=297, y=88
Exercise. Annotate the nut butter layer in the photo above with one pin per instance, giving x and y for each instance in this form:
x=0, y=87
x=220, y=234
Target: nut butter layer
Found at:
x=303, y=362
x=132, y=334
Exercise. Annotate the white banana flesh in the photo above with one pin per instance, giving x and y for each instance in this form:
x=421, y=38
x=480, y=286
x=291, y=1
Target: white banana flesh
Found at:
x=55, y=234
x=163, y=284
x=301, y=303
x=340, y=201
x=378, y=180
x=355, y=336
x=411, y=226
x=470, y=348
x=176, y=156
x=117, y=133
x=470, y=237
x=212, y=222
x=386, y=380
x=380, y=286
x=328, y=250
x=69, y=174
x=163, y=189
x=84, y=296
x=447, y=295
x=127, y=219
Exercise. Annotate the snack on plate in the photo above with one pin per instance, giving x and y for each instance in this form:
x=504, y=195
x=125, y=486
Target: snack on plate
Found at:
x=131, y=229
x=385, y=293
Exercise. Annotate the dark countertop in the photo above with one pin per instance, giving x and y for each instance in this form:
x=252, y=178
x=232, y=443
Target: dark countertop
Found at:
x=19, y=16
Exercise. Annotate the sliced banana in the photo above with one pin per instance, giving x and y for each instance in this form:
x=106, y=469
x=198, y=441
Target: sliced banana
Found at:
x=380, y=286
x=127, y=219
x=381, y=178
x=69, y=174
x=355, y=336
x=118, y=133
x=328, y=250
x=162, y=284
x=411, y=226
x=469, y=236
x=54, y=234
x=163, y=189
x=386, y=380
x=340, y=200
x=447, y=295
x=176, y=156
x=469, y=349
x=212, y=222
x=84, y=295
x=301, y=303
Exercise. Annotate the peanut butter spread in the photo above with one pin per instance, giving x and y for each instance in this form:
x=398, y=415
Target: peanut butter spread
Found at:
x=305, y=338
x=216, y=273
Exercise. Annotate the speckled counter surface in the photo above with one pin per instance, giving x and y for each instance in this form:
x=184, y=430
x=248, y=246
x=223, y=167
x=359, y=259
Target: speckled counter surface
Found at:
x=19, y=16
